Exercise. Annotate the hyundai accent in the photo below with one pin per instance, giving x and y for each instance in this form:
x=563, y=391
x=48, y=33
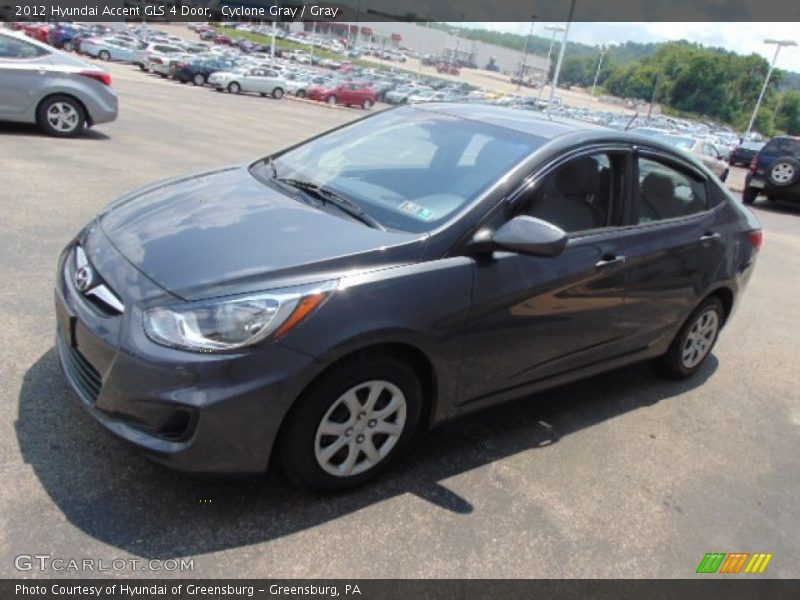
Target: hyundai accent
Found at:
x=318, y=306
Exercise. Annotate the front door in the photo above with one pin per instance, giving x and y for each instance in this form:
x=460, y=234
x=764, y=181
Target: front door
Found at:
x=537, y=317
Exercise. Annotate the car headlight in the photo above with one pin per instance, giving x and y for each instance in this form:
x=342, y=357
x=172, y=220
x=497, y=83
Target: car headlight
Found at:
x=231, y=323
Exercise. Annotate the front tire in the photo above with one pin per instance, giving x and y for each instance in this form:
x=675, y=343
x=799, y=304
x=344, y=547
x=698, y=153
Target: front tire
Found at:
x=694, y=342
x=61, y=116
x=104, y=55
x=234, y=88
x=724, y=175
x=367, y=104
x=301, y=93
x=351, y=424
x=331, y=100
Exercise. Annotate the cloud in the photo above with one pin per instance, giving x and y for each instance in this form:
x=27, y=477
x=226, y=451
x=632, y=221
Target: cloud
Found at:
x=742, y=38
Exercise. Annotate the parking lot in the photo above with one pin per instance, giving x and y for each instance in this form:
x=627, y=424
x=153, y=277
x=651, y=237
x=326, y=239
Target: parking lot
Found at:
x=622, y=475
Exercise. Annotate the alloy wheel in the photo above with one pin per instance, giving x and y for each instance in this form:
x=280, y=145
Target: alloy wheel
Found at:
x=360, y=428
x=63, y=117
x=700, y=338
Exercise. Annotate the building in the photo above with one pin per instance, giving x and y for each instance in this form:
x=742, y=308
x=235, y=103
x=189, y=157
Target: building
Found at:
x=428, y=40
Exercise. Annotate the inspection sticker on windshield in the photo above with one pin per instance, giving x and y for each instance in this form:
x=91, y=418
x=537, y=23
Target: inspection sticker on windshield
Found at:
x=426, y=214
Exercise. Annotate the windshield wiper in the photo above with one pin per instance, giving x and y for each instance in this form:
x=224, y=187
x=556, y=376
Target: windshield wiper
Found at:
x=328, y=196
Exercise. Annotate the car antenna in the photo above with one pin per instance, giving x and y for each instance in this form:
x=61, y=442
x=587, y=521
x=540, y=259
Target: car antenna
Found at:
x=636, y=116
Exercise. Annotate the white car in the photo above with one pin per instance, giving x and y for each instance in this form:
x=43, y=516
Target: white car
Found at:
x=156, y=49
x=258, y=80
x=298, y=87
x=423, y=95
x=109, y=49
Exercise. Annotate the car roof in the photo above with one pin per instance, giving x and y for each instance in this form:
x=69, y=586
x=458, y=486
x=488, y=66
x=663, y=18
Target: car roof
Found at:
x=536, y=124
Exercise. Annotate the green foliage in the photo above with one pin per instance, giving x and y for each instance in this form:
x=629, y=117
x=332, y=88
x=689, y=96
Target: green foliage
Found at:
x=788, y=117
x=692, y=79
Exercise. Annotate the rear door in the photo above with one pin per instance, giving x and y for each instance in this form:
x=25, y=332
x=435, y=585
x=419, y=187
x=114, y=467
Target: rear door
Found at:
x=673, y=246
x=254, y=81
x=23, y=73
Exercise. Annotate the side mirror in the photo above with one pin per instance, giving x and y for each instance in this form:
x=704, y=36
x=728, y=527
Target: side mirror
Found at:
x=524, y=235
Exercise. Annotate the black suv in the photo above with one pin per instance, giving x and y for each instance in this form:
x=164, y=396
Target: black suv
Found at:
x=775, y=171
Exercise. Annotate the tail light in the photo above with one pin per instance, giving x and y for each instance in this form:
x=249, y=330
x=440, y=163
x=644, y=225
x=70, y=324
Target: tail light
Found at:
x=754, y=165
x=100, y=76
x=756, y=239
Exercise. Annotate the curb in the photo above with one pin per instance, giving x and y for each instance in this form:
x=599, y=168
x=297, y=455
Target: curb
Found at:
x=294, y=98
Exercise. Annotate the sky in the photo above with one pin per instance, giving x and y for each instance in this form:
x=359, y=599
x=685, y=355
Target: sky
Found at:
x=743, y=38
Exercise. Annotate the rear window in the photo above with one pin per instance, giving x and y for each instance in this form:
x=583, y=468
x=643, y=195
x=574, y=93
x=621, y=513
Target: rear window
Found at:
x=782, y=147
x=13, y=48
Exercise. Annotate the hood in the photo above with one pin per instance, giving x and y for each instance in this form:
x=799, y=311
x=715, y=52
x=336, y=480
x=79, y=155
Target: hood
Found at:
x=225, y=232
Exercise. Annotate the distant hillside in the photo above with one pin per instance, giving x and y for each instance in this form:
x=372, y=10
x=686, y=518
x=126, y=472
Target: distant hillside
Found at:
x=686, y=77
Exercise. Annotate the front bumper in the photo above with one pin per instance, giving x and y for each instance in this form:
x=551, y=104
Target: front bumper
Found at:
x=203, y=413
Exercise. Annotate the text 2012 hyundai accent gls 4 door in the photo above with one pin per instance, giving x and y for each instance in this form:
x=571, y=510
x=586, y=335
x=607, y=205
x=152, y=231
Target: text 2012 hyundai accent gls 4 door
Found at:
x=324, y=303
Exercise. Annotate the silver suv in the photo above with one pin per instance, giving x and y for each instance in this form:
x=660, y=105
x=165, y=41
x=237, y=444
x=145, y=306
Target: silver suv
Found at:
x=60, y=93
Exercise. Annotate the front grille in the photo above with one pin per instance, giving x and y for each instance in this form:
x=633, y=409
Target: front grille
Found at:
x=99, y=295
x=80, y=372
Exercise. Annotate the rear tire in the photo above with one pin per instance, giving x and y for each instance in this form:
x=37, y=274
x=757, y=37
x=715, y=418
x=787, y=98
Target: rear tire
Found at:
x=724, y=175
x=61, y=116
x=367, y=104
x=301, y=93
x=303, y=442
x=331, y=100
x=277, y=93
x=199, y=79
x=694, y=342
x=749, y=195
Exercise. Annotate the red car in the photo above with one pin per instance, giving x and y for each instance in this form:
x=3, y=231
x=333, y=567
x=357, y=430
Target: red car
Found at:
x=38, y=31
x=447, y=68
x=349, y=94
x=223, y=39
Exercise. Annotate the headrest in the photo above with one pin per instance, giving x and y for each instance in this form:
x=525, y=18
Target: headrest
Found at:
x=657, y=186
x=578, y=177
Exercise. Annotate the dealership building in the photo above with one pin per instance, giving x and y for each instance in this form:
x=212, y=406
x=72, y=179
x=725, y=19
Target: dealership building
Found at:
x=429, y=40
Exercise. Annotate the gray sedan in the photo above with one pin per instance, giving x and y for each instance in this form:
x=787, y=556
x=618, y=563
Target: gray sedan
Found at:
x=60, y=93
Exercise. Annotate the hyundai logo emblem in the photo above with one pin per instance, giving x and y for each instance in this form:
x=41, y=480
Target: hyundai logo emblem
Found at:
x=84, y=278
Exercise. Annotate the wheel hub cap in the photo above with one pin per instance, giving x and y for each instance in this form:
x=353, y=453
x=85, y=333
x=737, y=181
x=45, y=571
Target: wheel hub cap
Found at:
x=62, y=116
x=699, y=339
x=783, y=173
x=360, y=428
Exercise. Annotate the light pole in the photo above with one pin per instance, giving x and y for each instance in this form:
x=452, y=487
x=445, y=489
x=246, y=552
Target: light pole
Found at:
x=555, y=29
x=525, y=54
x=778, y=45
x=272, y=49
x=554, y=85
x=455, y=53
x=603, y=51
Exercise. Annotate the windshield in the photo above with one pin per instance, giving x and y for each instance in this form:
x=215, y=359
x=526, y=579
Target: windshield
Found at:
x=408, y=169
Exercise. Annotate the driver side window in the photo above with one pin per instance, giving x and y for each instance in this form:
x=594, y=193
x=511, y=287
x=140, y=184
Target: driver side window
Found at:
x=578, y=195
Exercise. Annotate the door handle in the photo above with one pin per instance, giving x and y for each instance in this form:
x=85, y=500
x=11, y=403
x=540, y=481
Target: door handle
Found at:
x=608, y=260
x=708, y=236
